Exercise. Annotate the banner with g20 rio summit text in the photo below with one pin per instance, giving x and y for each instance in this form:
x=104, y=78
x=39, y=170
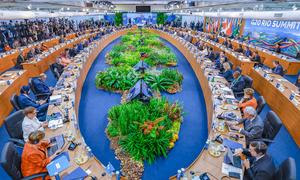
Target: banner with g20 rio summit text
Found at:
x=268, y=33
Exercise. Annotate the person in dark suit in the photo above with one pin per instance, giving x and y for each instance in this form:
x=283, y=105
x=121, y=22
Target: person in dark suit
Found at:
x=253, y=125
x=228, y=73
x=210, y=55
x=225, y=43
x=229, y=44
x=25, y=101
x=220, y=60
x=247, y=52
x=298, y=56
x=258, y=165
x=30, y=54
x=20, y=60
x=238, y=84
x=239, y=49
x=277, y=69
x=40, y=86
x=256, y=58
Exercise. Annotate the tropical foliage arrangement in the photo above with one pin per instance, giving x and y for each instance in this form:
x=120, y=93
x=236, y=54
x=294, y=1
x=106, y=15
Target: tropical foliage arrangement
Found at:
x=122, y=78
x=140, y=131
x=128, y=51
x=145, y=131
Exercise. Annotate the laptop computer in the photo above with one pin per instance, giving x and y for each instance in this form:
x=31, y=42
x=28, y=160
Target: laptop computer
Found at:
x=230, y=159
x=58, y=164
x=58, y=142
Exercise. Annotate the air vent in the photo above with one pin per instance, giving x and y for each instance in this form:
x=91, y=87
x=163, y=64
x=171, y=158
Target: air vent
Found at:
x=278, y=15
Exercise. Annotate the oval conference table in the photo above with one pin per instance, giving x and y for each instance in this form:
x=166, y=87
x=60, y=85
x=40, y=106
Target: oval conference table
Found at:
x=69, y=88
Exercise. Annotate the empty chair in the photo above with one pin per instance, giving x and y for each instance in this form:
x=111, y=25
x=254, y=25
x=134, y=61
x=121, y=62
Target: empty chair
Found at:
x=11, y=162
x=13, y=126
x=272, y=125
x=14, y=102
x=260, y=104
x=286, y=170
x=248, y=81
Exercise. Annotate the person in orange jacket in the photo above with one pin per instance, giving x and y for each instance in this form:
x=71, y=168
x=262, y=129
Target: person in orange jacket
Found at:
x=34, y=156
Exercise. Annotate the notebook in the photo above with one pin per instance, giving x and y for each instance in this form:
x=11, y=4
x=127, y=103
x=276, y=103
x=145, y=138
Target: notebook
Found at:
x=58, y=164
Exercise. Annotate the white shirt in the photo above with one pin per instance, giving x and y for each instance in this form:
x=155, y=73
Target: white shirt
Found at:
x=30, y=125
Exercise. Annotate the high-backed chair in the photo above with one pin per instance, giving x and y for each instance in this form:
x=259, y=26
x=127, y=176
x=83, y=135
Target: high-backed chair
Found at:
x=248, y=81
x=54, y=70
x=272, y=125
x=13, y=126
x=287, y=170
x=10, y=160
x=260, y=104
x=14, y=102
x=238, y=68
x=38, y=96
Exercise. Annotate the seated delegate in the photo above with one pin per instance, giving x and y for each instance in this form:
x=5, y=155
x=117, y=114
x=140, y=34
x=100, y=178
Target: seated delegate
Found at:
x=277, y=69
x=258, y=165
x=220, y=60
x=247, y=52
x=248, y=99
x=253, y=125
x=238, y=83
x=228, y=72
x=31, y=122
x=34, y=156
x=25, y=101
x=239, y=49
x=256, y=58
x=40, y=86
x=20, y=60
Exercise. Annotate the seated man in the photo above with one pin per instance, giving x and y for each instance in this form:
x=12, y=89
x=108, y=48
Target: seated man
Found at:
x=247, y=52
x=256, y=58
x=44, y=47
x=253, y=125
x=20, y=60
x=238, y=84
x=277, y=69
x=30, y=54
x=25, y=101
x=7, y=47
x=210, y=55
x=239, y=49
x=258, y=165
x=220, y=60
x=248, y=99
x=229, y=45
x=40, y=86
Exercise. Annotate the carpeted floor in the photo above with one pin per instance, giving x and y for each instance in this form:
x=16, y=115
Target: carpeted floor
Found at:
x=96, y=103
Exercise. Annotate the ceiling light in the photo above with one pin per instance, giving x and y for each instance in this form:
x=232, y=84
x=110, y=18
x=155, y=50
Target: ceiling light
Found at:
x=29, y=6
x=294, y=7
x=68, y=8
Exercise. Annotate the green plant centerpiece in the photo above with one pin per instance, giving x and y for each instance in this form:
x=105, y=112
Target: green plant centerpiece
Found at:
x=133, y=44
x=142, y=132
x=145, y=125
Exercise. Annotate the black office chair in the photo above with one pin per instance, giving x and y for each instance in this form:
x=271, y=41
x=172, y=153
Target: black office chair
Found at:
x=287, y=170
x=272, y=125
x=38, y=96
x=13, y=126
x=14, y=102
x=11, y=162
x=230, y=64
x=248, y=81
x=260, y=104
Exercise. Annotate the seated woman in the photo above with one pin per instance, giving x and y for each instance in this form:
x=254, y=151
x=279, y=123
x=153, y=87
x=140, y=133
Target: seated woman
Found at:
x=248, y=99
x=34, y=157
x=228, y=73
x=31, y=122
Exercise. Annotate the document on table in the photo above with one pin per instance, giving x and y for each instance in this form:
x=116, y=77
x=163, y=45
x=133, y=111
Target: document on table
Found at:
x=226, y=168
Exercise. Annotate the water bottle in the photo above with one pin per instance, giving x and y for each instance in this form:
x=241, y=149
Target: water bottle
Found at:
x=184, y=176
x=178, y=176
